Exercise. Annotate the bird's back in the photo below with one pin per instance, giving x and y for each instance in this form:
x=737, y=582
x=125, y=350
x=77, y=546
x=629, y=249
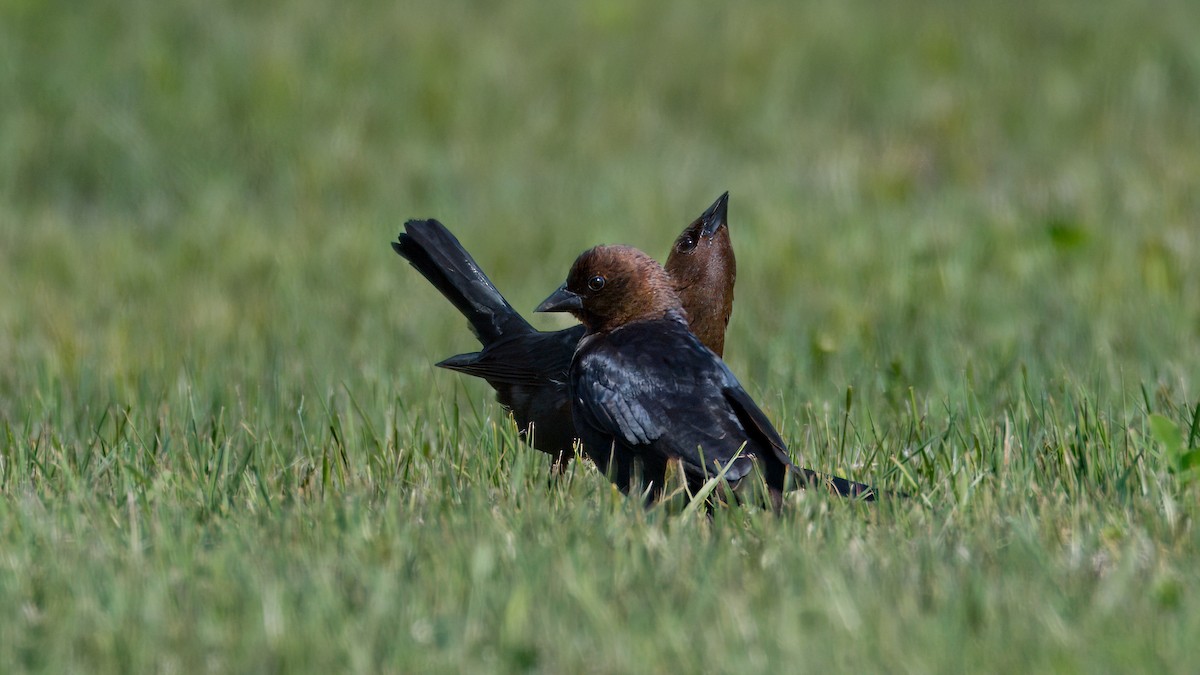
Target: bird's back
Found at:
x=650, y=392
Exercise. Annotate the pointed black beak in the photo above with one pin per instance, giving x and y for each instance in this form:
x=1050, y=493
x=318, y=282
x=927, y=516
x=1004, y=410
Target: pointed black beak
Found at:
x=715, y=217
x=561, y=300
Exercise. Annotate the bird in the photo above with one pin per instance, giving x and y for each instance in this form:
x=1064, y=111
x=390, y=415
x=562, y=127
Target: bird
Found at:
x=646, y=392
x=528, y=368
x=703, y=269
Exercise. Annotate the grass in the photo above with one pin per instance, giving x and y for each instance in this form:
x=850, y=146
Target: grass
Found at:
x=968, y=270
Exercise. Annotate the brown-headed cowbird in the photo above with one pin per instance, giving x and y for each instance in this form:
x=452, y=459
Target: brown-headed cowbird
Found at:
x=527, y=367
x=645, y=391
x=702, y=270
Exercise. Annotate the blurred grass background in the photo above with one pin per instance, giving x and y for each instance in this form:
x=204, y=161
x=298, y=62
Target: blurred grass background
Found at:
x=224, y=448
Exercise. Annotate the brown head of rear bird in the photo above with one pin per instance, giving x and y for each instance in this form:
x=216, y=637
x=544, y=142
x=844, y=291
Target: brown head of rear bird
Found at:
x=645, y=392
x=527, y=367
x=702, y=269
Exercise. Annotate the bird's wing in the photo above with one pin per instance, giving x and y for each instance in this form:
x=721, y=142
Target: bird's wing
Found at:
x=764, y=433
x=753, y=419
x=619, y=404
x=530, y=359
x=663, y=399
x=497, y=371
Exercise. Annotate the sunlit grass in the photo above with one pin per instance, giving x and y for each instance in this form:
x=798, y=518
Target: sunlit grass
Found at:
x=967, y=270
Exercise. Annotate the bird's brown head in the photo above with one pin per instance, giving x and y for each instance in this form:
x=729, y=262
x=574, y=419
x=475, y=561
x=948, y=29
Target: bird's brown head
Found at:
x=610, y=286
x=703, y=269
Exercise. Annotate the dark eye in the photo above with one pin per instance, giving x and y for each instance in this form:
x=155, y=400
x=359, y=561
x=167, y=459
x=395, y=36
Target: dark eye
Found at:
x=596, y=282
x=686, y=243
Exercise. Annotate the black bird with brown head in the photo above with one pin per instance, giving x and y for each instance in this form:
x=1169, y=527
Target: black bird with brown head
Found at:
x=645, y=392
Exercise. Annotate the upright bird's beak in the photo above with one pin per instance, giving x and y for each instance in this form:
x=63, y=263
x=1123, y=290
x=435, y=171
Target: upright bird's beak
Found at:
x=561, y=300
x=715, y=217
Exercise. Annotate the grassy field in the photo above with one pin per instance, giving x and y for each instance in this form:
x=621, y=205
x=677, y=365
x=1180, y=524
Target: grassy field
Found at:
x=969, y=267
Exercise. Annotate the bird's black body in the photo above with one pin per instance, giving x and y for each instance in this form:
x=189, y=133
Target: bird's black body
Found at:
x=649, y=392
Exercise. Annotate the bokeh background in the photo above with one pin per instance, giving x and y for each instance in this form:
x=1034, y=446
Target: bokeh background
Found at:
x=961, y=227
x=184, y=182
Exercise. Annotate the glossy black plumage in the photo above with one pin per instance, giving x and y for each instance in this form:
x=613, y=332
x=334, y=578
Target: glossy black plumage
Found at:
x=528, y=368
x=646, y=392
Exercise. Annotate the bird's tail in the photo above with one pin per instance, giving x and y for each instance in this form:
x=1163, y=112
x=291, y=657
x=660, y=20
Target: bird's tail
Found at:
x=429, y=247
x=835, y=485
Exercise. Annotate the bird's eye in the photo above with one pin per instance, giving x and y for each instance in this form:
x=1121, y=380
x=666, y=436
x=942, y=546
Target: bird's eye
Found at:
x=596, y=282
x=686, y=243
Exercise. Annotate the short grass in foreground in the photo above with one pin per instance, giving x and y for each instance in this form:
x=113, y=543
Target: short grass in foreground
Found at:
x=967, y=269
